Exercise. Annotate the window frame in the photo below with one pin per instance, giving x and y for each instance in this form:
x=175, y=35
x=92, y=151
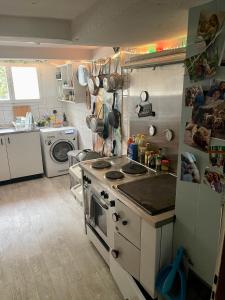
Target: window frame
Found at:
x=12, y=99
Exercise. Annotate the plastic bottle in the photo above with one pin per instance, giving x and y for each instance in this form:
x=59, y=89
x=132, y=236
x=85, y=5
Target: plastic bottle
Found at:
x=129, y=142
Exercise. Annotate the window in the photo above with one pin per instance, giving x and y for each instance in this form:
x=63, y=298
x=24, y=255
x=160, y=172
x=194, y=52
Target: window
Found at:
x=25, y=83
x=19, y=83
x=4, y=90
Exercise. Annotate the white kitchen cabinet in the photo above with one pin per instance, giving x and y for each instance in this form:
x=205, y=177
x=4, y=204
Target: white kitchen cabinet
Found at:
x=128, y=223
x=156, y=252
x=4, y=166
x=24, y=154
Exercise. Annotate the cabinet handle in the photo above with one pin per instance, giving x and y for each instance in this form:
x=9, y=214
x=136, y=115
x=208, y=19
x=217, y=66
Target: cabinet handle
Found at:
x=115, y=253
x=1, y=141
x=8, y=140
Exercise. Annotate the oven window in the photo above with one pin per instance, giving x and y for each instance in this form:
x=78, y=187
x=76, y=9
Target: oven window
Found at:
x=100, y=217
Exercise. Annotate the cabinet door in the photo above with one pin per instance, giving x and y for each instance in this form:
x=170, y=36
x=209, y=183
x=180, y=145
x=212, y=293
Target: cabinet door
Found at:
x=24, y=154
x=128, y=223
x=127, y=255
x=4, y=165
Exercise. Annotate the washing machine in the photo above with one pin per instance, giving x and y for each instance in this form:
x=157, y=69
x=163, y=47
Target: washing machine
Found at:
x=56, y=143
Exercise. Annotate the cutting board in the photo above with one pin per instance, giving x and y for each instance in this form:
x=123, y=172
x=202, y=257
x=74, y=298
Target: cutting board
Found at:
x=20, y=111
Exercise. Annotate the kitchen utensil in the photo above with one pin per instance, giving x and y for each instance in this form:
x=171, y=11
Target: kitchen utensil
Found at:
x=115, y=81
x=82, y=75
x=105, y=133
x=113, y=147
x=114, y=114
x=100, y=77
x=107, y=68
x=167, y=277
x=92, y=83
x=21, y=110
x=97, y=124
x=88, y=118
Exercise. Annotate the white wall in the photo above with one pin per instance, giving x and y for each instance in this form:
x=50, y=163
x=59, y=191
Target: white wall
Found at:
x=48, y=95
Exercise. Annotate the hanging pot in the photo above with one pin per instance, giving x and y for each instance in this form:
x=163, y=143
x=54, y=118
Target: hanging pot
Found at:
x=99, y=78
x=97, y=124
x=93, y=89
x=114, y=82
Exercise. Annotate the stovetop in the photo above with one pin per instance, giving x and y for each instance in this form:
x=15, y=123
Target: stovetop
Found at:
x=153, y=192
x=116, y=166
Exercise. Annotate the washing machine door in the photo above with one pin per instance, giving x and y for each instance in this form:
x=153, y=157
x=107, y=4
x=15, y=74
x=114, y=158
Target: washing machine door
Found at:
x=60, y=149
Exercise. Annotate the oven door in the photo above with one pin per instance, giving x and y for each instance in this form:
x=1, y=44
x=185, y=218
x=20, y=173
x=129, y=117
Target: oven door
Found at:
x=99, y=216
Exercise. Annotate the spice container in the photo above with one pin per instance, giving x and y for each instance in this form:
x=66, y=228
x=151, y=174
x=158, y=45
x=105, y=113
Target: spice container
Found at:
x=142, y=151
x=165, y=165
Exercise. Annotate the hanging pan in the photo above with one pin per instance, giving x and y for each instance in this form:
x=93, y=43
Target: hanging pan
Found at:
x=114, y=114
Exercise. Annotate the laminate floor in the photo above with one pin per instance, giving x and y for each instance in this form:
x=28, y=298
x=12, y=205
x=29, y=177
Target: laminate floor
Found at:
x=44, y=253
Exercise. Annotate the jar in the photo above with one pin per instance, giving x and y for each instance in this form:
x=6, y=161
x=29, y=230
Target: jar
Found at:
x=165, y=165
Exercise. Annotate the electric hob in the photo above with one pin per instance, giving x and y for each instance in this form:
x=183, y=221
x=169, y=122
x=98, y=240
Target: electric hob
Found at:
x=154, y=194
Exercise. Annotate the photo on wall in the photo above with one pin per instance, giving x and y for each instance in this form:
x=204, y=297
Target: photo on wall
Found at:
x=208, y=107
x=197, y=136
x=217, y=158
x=209, y=26
x=189, y=169
x=214, y=180
x=204, y=65
x=210, y=44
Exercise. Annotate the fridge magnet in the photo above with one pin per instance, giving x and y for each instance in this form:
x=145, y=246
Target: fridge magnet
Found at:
x=214, y=180
x=203, y=66
x=217, y=158
x=209, y=26
x=197, y=136
x=189, y=169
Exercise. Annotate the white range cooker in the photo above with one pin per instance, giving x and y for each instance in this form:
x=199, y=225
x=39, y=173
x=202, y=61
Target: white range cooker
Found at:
x=129, y=218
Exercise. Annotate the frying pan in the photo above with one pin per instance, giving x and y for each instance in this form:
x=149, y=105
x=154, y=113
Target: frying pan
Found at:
x=114, y=114
x=97, y=124
x=88, y=118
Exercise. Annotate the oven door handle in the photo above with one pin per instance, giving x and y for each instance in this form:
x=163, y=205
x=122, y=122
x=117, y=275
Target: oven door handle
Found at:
x=101, y=203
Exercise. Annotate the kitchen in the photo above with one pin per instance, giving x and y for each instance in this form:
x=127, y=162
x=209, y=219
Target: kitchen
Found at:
x=127, y=121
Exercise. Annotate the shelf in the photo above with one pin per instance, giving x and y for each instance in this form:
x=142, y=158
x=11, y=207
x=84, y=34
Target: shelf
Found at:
x=66, y=101
x=68, y=88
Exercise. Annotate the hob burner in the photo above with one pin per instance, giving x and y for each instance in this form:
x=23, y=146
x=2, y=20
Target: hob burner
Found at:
x=101, y=164
x=114, y=175
x=134, y=169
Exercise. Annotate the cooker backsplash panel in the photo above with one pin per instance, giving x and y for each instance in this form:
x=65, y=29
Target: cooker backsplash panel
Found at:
x=165, y=87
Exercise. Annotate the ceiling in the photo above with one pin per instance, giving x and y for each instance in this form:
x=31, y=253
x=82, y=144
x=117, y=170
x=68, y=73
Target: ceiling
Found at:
x=104, y=22
x=60, y=9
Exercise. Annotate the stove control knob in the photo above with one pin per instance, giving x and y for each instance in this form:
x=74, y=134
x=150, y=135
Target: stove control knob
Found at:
x=112, y=203
x=89, y=181
x=84, y=178
x=115, y=253
x=102, y=193
x=115, y=217
x=106, y=196
x=124, y=222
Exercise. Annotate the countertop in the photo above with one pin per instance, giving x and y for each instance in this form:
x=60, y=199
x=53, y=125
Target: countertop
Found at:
x=155, y=220
x=12, y=130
